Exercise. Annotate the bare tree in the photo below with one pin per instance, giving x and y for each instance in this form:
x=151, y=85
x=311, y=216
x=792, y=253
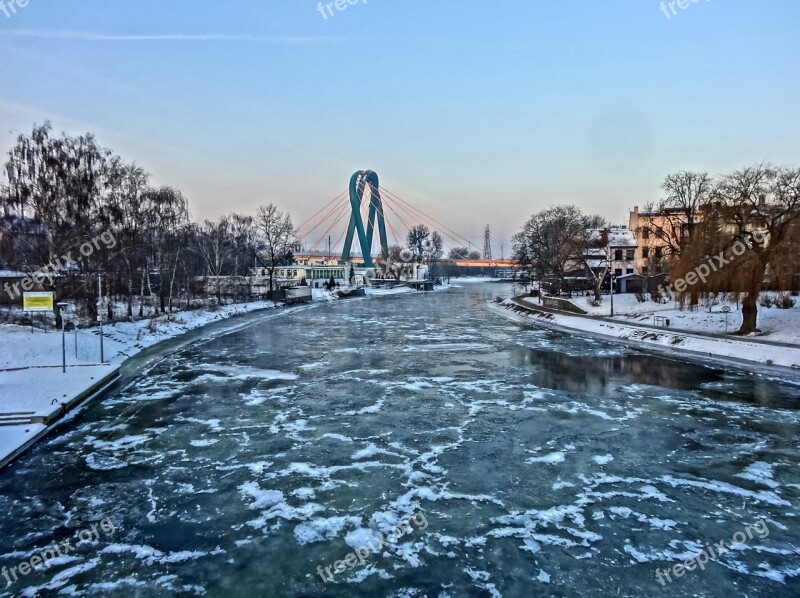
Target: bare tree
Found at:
x=593, y=253
x=166, y=214
x=672, y=220
x=417, y=237
x=243, y=237
x=215, y=244
x=57, y=182
x=459, y=253
x=554, y=241
x=126, y=184
x=433, y=250
x=277, y=238
x=745, y=239
x=450, y=268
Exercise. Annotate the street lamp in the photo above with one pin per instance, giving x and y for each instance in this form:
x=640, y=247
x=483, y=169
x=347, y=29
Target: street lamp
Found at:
x=612, y=293
x=100, y=312
x=61, y=306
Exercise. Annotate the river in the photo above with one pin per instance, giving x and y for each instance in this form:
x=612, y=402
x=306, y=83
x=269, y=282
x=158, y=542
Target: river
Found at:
x=254, y=460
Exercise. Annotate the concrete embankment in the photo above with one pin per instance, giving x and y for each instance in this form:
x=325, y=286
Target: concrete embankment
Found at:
x=29, y=423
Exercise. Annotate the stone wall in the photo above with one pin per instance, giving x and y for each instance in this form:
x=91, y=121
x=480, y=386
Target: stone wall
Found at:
x=562, y=304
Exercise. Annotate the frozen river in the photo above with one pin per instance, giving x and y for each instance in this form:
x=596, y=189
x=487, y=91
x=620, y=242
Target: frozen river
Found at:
x=524, y=463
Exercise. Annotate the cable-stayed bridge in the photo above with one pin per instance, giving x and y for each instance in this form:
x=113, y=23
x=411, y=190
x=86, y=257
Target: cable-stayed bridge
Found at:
x=372, y=216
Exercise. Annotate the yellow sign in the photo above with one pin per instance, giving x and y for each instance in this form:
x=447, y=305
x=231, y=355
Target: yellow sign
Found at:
x=37, y=301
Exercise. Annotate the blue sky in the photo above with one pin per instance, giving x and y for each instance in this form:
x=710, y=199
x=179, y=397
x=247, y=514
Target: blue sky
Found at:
x=477, y=112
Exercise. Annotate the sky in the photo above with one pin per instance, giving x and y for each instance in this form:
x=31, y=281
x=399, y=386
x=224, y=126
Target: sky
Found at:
x=475, y=112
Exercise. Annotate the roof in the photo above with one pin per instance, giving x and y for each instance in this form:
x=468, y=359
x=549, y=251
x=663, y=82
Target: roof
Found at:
x=618, y=237
x=621, y=237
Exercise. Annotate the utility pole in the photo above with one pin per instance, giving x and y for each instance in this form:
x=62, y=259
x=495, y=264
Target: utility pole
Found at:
x=61, y=307
x=487, y=244
x=612, y=293
x=100, y=313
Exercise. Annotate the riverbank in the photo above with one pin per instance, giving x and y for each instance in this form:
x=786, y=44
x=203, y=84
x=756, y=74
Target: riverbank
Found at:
x=748, y=353
x=34, y=391
x=781, y=325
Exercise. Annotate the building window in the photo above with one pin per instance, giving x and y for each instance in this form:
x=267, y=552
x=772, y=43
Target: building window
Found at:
x=629, y=271
x=618, y=272
x=658, y=253
x=630, y=255
x=645, y=233
x=645, y=252
x=618, y=255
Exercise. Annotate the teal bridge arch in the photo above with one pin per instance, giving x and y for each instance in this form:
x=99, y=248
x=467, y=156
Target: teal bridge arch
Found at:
x=358, y=184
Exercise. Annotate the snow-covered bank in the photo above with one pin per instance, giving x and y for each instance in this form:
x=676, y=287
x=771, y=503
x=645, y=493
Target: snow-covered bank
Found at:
x=782, y=325
x=33, y=389
x=741, y=352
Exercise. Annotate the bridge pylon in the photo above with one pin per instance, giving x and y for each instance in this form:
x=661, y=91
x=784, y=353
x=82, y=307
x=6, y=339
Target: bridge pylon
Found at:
x=358, y=183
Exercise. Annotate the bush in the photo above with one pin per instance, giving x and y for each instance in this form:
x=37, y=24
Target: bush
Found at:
x=784, y=301
x=766, y=300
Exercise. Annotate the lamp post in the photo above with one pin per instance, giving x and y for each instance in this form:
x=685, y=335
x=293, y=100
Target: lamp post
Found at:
x=100, y=312
x=61, y=306
x=612, y=293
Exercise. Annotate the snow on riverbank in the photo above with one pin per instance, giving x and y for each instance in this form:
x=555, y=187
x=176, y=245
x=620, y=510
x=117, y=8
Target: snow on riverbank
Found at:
x=33, y=387
x=121, y=339
x=672, y=342
x=780, y=325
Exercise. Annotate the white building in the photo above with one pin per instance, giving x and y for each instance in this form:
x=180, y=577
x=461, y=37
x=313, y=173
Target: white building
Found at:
x=619, y=253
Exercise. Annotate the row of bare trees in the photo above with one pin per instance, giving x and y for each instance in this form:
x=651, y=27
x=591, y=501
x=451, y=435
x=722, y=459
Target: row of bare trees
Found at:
x=750, y=227
x=63, y=191
x=754, y=212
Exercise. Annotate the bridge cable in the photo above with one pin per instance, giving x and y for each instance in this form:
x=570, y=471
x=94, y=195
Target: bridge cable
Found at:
x=431, y=224
x=337, y=198
x=336, y=209
x=454, y=235
x=342, y=211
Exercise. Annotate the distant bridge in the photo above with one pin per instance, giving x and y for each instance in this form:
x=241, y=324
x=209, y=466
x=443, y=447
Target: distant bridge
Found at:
x=506, y=265
x=364, y=218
